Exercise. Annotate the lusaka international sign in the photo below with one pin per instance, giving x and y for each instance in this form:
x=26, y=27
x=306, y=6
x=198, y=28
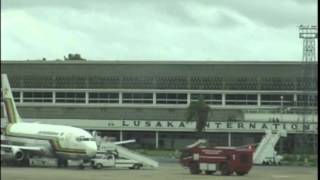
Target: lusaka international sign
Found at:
x=143, y=125
x=290, y=127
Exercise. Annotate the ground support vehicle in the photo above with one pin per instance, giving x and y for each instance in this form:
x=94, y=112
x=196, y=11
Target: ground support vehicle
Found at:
x=54, y=162
x=227, y=160
x=111, y=160
x=125, y=156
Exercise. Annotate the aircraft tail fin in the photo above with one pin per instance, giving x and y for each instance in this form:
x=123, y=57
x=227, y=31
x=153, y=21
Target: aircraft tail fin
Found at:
x=10, y=105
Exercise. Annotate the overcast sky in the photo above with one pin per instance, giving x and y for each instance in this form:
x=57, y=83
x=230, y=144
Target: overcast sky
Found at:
x=155, y=29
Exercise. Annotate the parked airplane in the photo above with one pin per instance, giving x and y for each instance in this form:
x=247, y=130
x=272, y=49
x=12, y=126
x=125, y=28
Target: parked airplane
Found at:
x=33, y=139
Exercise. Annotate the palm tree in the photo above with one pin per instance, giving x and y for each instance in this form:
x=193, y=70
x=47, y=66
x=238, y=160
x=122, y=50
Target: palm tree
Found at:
x=198, y=111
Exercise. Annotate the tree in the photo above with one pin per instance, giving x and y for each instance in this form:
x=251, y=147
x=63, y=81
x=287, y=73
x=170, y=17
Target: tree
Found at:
x=198, y=111
x=73, y=57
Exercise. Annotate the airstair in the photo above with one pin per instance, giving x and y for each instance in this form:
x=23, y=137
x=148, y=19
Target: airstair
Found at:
x=146, y=161
x=105, y=146
x=265, y=152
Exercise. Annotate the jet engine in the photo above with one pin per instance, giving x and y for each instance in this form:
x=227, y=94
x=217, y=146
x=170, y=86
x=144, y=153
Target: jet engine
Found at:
x=18, y=154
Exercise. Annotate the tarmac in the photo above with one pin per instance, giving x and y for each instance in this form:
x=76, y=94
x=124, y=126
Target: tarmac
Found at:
x=166, y=171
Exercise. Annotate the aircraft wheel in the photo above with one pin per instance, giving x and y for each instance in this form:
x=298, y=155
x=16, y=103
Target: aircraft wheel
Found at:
x=81, y=166
x=65, y=163
x=98, y=166
x=209, y=172
x=60, y=163
x=136, y=166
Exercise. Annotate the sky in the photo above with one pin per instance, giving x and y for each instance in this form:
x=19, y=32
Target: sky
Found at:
x=207, y=30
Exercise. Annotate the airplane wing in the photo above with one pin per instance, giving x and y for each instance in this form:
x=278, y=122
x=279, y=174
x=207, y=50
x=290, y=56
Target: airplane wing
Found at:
x=19, y=152
x=7, y=147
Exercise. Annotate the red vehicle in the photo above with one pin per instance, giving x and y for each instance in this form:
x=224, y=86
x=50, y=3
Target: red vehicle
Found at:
x=227, y=160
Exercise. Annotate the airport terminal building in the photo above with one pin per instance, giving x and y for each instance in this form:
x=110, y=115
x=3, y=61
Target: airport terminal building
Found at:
x=148, y=100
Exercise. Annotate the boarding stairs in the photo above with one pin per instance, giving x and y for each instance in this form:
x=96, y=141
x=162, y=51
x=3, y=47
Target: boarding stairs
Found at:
x=146, y=161
x=105, y=146
x=265, y=152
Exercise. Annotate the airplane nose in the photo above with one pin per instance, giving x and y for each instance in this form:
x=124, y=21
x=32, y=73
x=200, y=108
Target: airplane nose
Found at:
x=91, y=151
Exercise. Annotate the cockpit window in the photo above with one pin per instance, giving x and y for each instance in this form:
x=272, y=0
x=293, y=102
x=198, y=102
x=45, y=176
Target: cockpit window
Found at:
x=84, y=139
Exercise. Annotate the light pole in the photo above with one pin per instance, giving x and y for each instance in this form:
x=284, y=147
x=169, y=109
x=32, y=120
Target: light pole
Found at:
x=281, y=120
x=281, y=110
x=309, y=34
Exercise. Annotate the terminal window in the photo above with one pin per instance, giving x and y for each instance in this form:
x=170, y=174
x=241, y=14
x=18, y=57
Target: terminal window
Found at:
x=137, y=98
x=171, y=98
x=241, y=99
x=213, y=99
x=70, y=97
x=275, y=99
x=103, y=97
x=37, y=97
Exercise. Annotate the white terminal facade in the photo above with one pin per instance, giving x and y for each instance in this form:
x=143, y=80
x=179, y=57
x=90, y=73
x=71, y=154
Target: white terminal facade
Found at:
x=147, y=100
